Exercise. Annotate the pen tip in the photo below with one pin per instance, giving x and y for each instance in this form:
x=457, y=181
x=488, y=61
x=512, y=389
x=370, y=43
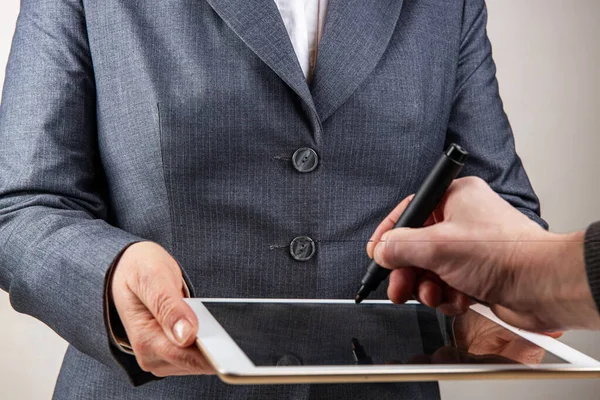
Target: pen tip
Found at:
x=361, y=294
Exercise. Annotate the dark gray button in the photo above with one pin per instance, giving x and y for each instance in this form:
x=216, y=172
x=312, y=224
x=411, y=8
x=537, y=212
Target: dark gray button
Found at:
x=305, y=159
x=302, y=248
x=288, y=360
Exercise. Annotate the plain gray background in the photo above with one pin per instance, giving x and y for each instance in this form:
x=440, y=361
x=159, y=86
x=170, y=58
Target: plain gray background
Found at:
x=548, y=56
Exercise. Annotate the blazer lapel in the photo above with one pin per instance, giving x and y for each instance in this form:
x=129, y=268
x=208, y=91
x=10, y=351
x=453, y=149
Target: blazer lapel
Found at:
x=259, y=25
x=356, y=35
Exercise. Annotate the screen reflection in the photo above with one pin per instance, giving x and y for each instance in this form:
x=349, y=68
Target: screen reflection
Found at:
x=288, y=334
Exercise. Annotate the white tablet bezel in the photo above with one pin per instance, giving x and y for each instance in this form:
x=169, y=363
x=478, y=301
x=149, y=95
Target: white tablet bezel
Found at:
x=233, y=366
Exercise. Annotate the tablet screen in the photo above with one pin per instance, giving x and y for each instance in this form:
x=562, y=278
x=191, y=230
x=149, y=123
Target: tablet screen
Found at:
x=293, y=334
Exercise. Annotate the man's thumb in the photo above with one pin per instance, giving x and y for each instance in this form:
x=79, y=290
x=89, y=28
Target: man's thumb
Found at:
x=408, y=247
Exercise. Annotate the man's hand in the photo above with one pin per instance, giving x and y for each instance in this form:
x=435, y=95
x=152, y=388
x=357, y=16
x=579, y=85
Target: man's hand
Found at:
x=476, y=244
x=148, y=294
x=408, y=282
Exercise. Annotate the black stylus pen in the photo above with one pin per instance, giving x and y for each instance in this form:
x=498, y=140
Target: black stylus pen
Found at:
x=420, y=208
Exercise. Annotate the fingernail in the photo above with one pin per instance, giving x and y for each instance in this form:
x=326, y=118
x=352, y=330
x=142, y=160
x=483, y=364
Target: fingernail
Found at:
x=384, y=237
x=182, y=330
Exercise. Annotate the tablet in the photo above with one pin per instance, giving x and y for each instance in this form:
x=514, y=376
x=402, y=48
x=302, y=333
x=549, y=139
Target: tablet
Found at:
x=278, y=341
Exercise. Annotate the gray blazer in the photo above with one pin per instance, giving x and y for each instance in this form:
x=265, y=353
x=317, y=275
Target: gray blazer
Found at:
x=177, y=121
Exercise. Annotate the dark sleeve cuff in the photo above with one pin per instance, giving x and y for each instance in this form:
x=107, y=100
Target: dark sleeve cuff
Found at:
x=592, y=260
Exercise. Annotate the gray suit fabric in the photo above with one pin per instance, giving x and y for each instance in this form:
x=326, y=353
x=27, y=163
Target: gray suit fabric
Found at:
x=175, y=121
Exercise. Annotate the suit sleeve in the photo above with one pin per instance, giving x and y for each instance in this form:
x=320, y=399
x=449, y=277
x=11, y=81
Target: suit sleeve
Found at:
x=56, y=245
x=478, y=121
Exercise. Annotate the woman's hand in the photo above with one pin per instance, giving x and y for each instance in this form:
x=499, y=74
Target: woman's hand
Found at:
x=148, y=294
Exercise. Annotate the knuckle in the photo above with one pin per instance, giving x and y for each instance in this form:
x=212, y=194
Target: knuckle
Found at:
x=443, y=237
x=150, y=354
x=191, y=362
x=145, y=278
x=171, y=354
x=142, y=347
x=475, y=182
x=164, y=306
x=146, y=364
x=426, y=251
x=391, y=251
x=393, y=294
x=162, y=373
x=395, y=251
x=384, y=250
x=181, y=358
x=161, y=348
x=162, y=369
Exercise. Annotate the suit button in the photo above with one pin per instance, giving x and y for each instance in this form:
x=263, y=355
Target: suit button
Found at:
x=305, y=159
x=288, y=360
x=302, y=248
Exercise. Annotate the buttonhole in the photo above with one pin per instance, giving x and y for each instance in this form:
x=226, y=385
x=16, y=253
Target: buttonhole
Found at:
x=277, y=246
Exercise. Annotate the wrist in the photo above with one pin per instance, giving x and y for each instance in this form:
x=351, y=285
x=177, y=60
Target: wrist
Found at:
x=558, y=281
x=576, y=293
x=115, y=329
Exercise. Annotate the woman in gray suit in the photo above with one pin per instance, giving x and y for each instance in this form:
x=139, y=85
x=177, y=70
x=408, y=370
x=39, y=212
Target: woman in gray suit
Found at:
x=225, y=148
